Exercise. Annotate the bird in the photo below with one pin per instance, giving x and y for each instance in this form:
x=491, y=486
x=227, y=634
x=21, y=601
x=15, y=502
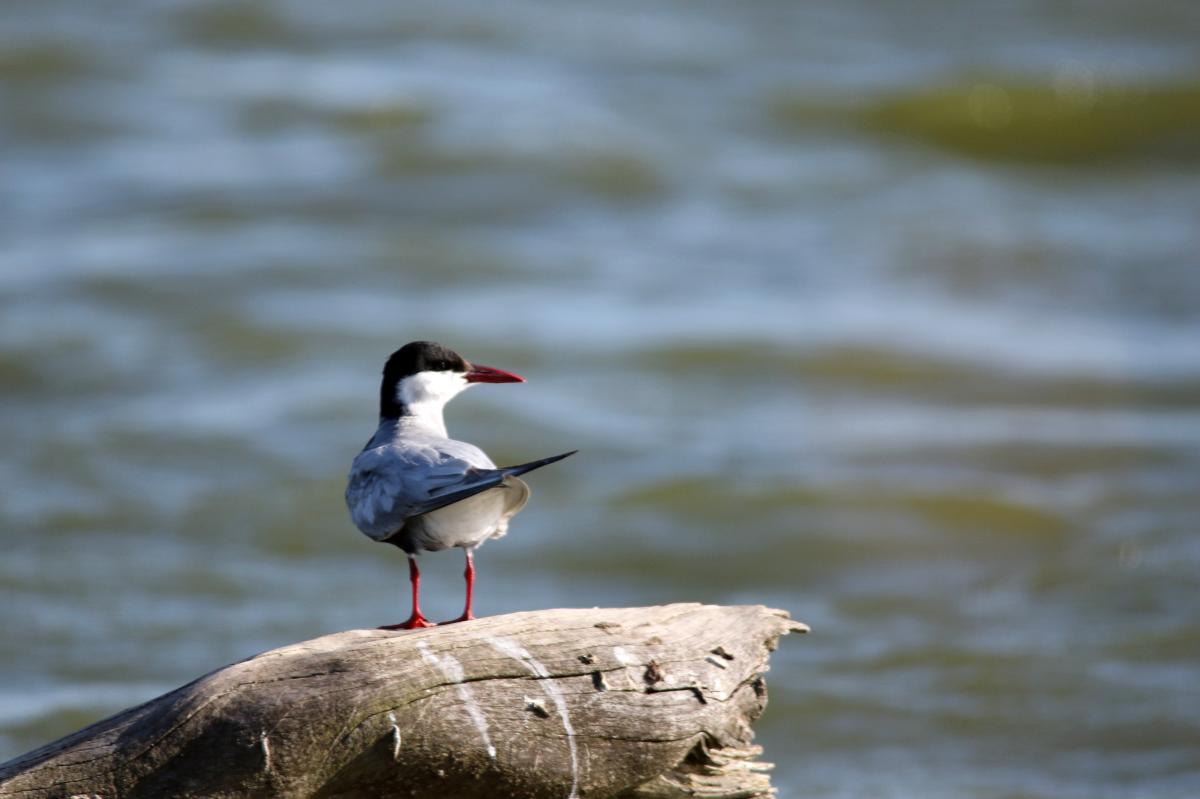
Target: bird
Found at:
x=416, y=488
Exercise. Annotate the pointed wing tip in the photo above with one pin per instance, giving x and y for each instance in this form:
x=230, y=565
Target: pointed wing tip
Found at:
x=529, y=467
x=557, y=458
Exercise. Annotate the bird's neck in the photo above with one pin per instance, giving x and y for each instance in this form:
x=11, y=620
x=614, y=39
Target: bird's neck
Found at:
x=424, y=416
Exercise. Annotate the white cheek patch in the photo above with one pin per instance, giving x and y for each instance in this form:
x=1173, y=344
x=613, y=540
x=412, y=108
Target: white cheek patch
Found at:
x=429, y=387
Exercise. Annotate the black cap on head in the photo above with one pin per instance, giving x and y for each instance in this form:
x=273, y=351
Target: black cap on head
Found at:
x=423, y=356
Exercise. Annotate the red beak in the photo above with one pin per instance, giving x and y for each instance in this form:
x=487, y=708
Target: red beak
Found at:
x=486, y=374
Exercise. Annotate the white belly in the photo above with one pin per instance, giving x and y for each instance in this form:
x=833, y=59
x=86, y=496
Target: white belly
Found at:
x=472, y=521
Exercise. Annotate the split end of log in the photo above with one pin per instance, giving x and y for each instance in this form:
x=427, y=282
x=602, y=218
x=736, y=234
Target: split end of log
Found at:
x=632, y=703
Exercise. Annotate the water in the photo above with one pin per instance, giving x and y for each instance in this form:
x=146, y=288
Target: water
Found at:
x=885, y=316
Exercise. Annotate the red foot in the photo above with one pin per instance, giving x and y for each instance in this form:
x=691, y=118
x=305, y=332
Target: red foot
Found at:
x=464, y=617
x=417, y=621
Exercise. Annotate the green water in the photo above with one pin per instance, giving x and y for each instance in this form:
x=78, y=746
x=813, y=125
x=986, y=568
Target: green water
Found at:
x=885, y=316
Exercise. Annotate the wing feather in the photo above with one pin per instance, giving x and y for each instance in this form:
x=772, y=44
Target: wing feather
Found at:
x=390, y=484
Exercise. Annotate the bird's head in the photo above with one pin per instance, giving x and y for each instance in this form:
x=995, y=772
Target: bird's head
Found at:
x=424, y=376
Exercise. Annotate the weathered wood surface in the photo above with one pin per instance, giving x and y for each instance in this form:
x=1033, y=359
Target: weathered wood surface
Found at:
x=632, y=703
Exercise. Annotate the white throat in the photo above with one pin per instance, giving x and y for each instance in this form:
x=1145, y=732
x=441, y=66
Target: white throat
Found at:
x=425, y=394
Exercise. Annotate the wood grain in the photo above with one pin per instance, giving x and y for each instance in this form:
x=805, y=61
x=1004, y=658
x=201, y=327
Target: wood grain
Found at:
x=634, y=702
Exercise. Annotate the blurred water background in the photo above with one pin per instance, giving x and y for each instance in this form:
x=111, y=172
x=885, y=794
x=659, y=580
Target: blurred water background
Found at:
x=885, y=314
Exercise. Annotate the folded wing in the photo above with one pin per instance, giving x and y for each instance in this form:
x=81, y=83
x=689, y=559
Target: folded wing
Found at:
x=387, y=488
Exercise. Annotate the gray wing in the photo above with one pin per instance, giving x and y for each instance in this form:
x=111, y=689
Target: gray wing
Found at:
x=392, y=483
x=389, y=485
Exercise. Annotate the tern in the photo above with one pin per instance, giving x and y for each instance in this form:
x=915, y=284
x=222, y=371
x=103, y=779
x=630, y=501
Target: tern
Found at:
x=416, y=488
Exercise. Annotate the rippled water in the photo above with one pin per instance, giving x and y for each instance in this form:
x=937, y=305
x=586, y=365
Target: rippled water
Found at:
x=888, y=317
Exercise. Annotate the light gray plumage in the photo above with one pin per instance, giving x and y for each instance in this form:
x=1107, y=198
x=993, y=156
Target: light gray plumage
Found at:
x=414, y=486
x=429, y=492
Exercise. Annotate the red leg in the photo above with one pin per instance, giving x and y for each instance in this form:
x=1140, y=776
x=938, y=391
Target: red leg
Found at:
x=417, y=619
x=469, y=573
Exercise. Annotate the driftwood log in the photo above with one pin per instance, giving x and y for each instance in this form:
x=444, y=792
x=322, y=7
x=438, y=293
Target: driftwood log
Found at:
x=636, y=703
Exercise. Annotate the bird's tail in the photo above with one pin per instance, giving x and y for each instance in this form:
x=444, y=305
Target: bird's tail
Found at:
x=515, y=471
